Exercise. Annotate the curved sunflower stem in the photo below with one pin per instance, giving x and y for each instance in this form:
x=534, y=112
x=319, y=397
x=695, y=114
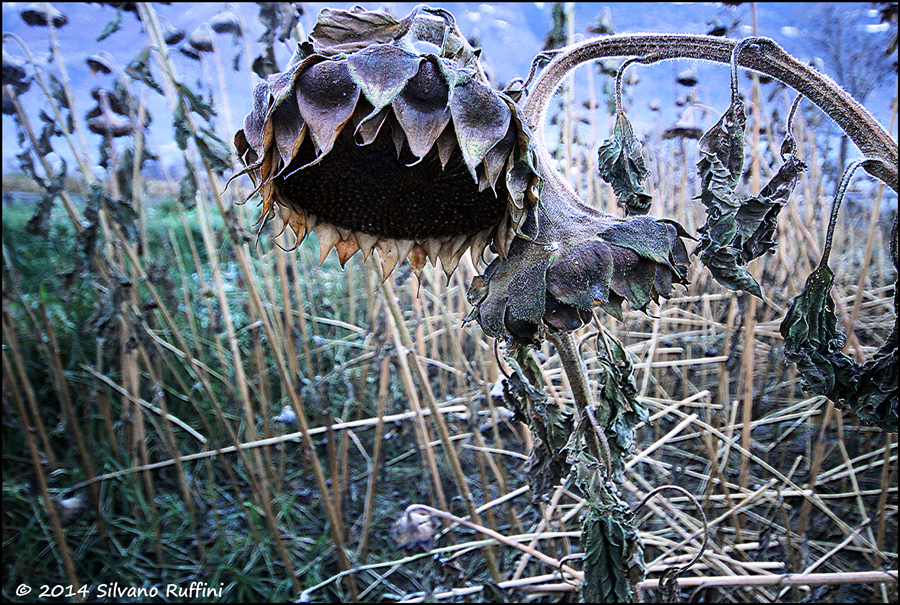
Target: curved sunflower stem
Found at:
x=767, y=57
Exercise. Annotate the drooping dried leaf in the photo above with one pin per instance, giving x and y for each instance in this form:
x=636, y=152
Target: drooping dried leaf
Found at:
x=721, y=160
x=609, y=548
x=139, y=69
x=111, y=27
x=340, y=31
x=39, y=223
x=179, y=126
x=876, y=400
x=187, y=187
x=213, y=150
x=550, y=424
x=757, y=217
x=481, y=118
x=382, y=71
x=619, y=410
x=813, y=341
x=621, y=164
x=196, y=103
x=51, y=129
x=421, y=108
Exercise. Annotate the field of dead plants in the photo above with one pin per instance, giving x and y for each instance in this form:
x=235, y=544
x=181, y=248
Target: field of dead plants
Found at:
x=162, y=362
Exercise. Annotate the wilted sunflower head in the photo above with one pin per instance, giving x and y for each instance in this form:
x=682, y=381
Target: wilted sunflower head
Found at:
x=385, y=134
x=415, y=529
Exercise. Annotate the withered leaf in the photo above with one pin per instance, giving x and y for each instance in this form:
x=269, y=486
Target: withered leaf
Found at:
x=757, y=217
x=608, y=556
x=111, y=27
x=876, y=400
x=122, y=214
x=340, y=31
x=738, y=231
x=179, y=124
x=187, y=187
x=622, y=166
x=550, y=423
x=196, y=103
x=139, y=69
x=721, y=161
x=617, y=401
x=813, y=341
x=39, y=223
x=213, y=150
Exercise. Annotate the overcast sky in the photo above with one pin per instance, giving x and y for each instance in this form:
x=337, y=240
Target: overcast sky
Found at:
x=510, y=34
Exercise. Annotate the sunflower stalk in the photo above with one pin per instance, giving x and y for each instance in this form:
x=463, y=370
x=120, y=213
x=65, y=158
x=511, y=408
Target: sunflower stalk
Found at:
x=860, y=126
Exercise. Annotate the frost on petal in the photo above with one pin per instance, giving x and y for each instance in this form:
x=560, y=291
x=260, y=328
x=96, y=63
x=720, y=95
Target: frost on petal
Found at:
x=326, y=96
x=421, y=108
x=382, y=71
x=481, y=119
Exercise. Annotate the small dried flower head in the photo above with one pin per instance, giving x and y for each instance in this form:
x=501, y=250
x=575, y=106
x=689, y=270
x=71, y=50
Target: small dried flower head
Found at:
x=415, y=529
x=287, y=415
x=201, y=40
x=71, y=509
x=171, y=34
x=41, y=14
x=688, y=77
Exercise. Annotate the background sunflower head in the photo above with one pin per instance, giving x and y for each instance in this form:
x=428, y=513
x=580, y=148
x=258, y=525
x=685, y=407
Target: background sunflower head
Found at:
x=385, y=134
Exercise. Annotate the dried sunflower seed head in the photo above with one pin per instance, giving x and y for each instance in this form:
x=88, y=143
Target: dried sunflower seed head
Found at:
x=415, y=530
x=385, y=134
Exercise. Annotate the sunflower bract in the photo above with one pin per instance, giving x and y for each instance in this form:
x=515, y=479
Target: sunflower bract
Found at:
x=385, y=134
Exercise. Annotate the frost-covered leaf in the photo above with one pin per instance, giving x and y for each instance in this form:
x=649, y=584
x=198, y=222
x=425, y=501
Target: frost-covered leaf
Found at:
x=757, y=217
x=813, y=341
x=617, y=402
x=182, y=133
x=39, y=223
x=111, y=27
x=622, y=166
x=550, y=424
x=876, y=401
x=214, y=151
x=196, y=103
x=721, y=161
x=738, y=231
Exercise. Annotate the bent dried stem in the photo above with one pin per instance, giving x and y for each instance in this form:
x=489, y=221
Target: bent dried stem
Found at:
x=769, y=58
